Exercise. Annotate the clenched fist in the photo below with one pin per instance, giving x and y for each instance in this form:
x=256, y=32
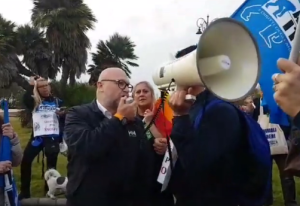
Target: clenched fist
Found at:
x=5, y=166
x=160, y=145
x=178, y=102
x=8, y=131
x=127, y=110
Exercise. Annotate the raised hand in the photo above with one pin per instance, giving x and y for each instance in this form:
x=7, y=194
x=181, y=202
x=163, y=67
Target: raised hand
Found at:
x=127, y=110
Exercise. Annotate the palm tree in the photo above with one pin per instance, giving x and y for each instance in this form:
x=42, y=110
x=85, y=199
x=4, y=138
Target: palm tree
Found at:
x=11, y=69
x=7, y=37
x=66, y=23
x=37, y=55
x=118, y=51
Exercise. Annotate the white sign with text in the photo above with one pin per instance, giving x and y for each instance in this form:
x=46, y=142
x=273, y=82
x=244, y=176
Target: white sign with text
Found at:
x=274, y=134
x=165, y=170
x=45, y=123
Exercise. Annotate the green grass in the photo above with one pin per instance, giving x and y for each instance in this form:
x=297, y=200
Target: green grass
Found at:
x=37, y=182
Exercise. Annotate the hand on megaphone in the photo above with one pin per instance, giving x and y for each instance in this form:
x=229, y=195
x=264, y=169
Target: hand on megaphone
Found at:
x=178, y=102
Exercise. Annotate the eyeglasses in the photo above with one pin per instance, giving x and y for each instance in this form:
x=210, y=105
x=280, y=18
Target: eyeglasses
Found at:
x=121, y=84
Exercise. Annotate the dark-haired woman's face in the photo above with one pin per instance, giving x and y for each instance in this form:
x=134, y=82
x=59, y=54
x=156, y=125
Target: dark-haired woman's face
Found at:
x=143, y=95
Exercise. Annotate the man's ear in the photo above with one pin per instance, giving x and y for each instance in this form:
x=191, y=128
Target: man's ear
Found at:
x=100, y=86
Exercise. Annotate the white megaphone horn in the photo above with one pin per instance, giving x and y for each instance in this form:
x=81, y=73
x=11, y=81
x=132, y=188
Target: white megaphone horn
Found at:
x=226, y=62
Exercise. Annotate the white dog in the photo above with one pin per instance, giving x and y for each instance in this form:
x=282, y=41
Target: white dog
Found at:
x=55, y=182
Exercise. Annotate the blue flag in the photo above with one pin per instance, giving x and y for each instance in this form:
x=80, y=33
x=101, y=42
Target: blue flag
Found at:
x=273, y=25
x=7, y=182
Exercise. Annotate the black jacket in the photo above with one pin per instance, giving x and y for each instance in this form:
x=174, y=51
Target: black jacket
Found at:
x=296, y=120
x=158, y=198
x=106, y=166
x=209, y=156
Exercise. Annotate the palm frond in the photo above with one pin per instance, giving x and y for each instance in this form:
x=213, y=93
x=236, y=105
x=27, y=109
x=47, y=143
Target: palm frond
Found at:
x=122, y=47
x=37, y=55
x=118, y=51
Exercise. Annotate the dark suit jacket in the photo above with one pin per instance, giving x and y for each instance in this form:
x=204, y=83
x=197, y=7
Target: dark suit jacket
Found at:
x=107, y=165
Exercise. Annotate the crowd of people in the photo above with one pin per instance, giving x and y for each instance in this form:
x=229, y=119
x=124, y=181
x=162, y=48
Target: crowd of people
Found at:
x=113, y=161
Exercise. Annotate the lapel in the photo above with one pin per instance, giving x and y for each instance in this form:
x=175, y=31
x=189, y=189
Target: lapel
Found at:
x=97, y=112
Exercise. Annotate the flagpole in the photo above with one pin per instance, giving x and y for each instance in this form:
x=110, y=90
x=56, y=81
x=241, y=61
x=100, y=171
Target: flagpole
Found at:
x=296, y=45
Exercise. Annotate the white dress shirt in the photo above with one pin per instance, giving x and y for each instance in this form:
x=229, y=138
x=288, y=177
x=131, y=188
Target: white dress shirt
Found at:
x=104, y=110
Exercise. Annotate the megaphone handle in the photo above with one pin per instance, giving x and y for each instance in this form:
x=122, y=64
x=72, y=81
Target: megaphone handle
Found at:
x=129, y=100
x=190, y=97
x=296, y=46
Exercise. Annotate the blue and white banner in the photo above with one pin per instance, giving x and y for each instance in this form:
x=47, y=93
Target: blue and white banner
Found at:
x=273, y=25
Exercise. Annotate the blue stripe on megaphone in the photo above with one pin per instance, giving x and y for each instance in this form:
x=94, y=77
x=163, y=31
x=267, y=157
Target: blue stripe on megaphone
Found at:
x=273, y=25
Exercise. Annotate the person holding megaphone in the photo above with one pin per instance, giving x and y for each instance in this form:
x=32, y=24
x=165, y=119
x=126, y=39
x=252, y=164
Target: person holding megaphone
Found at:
x=209, y=153
x=218, y=162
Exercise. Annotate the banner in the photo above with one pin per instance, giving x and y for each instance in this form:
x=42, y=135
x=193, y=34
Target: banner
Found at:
x=165, y=172
x=273, y=25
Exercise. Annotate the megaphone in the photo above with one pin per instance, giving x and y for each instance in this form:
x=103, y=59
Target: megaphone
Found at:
x=226, y=62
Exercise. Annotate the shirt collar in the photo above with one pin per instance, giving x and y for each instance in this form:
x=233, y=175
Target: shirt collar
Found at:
x=104, y=110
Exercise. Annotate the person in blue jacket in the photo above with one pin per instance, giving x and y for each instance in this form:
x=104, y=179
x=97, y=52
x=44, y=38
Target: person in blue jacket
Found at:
x=48, y=123
x=206, y=171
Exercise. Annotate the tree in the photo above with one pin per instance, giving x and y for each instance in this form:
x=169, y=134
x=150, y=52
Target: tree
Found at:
x=95, y=71
x=11, y=69
x=118, y=51
x=37, y=55
x=66, y=23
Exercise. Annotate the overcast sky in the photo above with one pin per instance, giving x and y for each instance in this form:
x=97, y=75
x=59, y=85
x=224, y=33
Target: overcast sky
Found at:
x=159, y=28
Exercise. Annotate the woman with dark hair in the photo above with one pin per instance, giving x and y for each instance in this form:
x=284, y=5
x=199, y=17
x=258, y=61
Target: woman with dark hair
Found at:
x=48, y=122
x=16, y=150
